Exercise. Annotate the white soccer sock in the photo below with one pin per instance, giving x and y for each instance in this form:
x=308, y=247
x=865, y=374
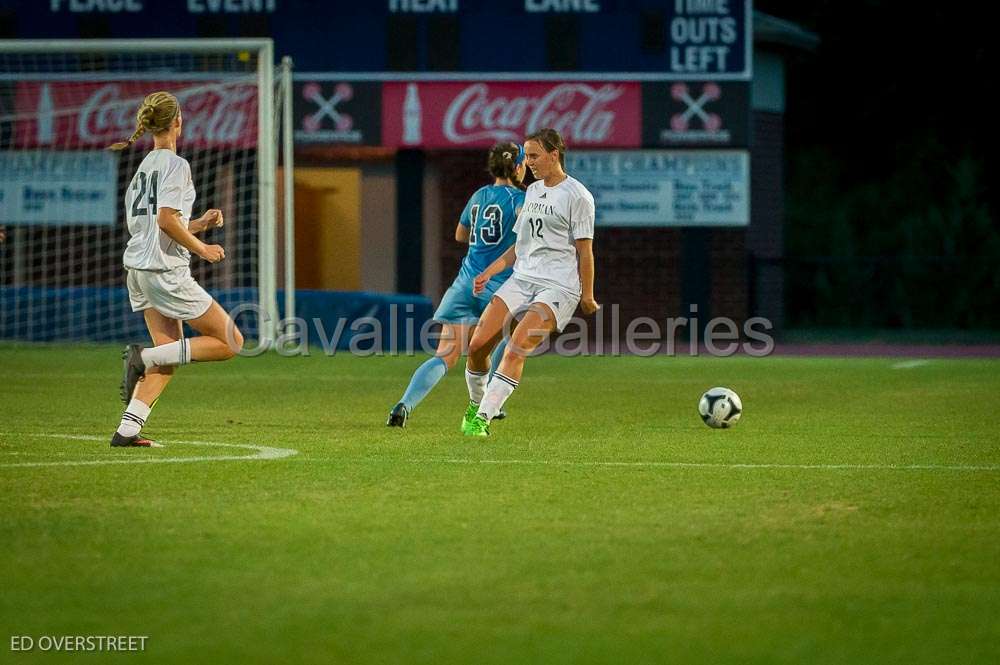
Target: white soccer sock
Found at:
x=477, y=384
x=134, y=418
x=497, y=393
x=166, y=355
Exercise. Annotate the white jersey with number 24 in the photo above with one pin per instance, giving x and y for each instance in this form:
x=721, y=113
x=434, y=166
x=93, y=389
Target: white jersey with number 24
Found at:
x=552, y=219
x=163, y=180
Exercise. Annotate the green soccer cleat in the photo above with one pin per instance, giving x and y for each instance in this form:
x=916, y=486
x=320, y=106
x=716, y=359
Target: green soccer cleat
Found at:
x=477, y=427
x=470, y=413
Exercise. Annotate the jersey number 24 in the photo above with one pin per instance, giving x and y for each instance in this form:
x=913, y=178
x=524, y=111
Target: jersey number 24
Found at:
x=139, y=185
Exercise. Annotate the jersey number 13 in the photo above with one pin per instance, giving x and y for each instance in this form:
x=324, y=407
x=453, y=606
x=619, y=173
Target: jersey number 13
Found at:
x=490, y=232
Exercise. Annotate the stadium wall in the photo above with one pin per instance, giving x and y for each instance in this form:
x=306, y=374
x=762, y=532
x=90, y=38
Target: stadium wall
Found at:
x=356, y=314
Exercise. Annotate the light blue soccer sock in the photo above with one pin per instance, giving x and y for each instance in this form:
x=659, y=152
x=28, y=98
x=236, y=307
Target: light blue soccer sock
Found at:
x=497, y=356
x=423, y=381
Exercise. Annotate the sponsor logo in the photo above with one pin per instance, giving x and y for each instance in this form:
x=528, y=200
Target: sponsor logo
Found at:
x=324, y=119
x=696, y=122
x=447, y=114
x=578, y=111
x=96, y=114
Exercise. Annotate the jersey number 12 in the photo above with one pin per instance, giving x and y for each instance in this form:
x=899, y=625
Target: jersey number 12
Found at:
x=536, y=227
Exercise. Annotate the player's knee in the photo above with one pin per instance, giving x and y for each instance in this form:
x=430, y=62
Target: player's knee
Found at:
x=449, y=356
x=477, y=347
x=523, y=342
x=518, y=349
x=235, y=341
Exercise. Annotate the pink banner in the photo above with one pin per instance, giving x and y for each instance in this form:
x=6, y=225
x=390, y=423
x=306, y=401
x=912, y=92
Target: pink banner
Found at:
x=478, y=114
x=89, y=114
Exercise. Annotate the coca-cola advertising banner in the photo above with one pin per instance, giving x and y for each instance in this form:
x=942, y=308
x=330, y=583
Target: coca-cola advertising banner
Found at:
x=95, y=114
x=696, y=114
x=479, y=114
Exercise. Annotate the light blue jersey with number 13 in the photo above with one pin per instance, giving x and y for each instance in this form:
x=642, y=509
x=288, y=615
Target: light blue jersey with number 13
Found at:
x=490, y=215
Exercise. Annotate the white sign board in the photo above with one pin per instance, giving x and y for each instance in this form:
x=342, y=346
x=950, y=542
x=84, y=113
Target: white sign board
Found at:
x=58, y=187
x=664, y=187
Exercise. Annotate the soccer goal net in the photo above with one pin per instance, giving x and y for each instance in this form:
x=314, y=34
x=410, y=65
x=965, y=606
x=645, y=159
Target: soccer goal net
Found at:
x=62, y=192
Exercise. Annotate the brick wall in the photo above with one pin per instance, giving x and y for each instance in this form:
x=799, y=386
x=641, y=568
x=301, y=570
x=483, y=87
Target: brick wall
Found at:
x=765, y=237
x=638, y=268
x=462, y=173
x=729, y=274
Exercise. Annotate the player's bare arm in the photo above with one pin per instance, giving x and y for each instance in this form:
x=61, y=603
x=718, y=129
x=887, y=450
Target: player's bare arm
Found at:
x=585, y=254
x=505, y=261
x=212, y=219
x=169, y=221
x=462, y=234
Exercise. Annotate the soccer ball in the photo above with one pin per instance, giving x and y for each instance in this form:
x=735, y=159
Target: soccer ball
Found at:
x=720, y=408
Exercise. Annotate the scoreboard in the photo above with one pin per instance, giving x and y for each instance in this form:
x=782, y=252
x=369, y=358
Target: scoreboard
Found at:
x=667, y=39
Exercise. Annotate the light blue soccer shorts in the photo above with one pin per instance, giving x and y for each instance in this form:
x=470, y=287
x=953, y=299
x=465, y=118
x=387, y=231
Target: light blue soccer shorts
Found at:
x=459, y=305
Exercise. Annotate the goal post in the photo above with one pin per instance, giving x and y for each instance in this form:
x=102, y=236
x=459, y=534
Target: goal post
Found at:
x=61, y=193
x=288, y=183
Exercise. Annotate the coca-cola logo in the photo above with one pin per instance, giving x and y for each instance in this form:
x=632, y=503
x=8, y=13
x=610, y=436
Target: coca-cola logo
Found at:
x=217, y=115
x=66, y=114
x=578, y=111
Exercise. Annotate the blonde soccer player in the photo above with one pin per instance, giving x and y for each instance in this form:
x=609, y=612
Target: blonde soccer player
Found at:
x=553, y=262
x=158, y=206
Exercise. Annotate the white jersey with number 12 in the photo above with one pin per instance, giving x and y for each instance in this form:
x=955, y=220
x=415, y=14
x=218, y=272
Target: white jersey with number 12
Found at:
x=551, y=221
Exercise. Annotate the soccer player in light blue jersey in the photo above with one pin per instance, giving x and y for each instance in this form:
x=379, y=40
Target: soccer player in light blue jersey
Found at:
x=487, y=225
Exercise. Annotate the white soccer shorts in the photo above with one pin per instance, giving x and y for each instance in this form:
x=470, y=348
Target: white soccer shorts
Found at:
x=173, y=293
x=519, y=295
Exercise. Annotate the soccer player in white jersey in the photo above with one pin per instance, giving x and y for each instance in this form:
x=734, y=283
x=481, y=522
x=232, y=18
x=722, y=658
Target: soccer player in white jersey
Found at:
x=158, y=206
x=553, y=262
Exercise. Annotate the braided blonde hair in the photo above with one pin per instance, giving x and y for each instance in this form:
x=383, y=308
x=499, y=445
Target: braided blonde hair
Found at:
x=155, y=114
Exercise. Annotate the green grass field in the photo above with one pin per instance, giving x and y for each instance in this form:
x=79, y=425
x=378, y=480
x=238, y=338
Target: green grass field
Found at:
x=852, y=516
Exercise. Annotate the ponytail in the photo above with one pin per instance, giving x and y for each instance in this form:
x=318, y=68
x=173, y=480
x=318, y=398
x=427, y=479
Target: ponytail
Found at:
x=121, y=145
x=155, y=114
x=503, y=161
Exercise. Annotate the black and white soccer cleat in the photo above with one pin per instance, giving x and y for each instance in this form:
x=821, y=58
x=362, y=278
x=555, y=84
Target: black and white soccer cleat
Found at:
x=398, y=416
x=133, y=369
x=119, y=441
